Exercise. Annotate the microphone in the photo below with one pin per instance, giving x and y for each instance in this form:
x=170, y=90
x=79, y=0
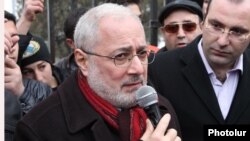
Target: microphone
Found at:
x=147, y=98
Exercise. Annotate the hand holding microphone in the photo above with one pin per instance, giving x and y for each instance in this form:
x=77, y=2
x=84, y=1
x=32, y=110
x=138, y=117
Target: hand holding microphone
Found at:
x=147, y=98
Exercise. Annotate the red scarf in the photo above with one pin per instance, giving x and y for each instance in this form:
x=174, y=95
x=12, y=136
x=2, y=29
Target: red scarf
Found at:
x=110, y=113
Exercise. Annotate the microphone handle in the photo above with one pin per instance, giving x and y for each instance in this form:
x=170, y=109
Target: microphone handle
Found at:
x=153, y=113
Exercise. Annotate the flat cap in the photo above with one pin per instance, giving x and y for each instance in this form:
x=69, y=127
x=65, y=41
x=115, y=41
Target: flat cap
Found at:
x=188, y=5
x=200, y=2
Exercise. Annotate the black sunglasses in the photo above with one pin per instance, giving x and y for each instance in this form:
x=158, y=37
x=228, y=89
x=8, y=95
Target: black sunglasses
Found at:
x=186, y=26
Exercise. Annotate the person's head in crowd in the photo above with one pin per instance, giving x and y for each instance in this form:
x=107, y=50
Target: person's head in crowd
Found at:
x=12, y=35
x=36, y=62
x=199, y=2
x=113, y=62
x=226, y=37
x=204, y=6
x=70, y=24
x=180, y=23
x=134, y=5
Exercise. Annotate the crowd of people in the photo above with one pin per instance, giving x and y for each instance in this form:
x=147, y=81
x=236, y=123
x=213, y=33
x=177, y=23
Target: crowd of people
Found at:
x=201, y=75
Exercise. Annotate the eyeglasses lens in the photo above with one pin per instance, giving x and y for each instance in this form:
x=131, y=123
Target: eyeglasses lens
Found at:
x=189, y=27
x=174, y=28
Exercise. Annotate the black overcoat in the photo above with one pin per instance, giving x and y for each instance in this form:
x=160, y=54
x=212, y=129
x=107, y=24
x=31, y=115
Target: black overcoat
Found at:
x=181, y=77
x=67, y=116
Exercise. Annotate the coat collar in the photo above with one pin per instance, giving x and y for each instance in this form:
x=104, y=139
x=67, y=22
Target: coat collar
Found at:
x=242, y=96
x=196, y=74
x=78, y=113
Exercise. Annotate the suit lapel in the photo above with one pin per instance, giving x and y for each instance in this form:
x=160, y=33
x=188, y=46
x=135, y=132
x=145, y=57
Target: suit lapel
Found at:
x=242, y=96
x=196, y=74
x=79, y=114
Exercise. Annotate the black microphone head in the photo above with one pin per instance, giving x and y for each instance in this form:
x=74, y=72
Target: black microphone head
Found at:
x=146, y=96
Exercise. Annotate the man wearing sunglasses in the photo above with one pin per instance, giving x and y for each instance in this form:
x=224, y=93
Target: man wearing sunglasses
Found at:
x=208, y=81
x=180, y=23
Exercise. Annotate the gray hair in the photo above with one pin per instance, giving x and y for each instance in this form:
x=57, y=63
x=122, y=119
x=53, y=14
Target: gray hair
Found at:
x=86, y=34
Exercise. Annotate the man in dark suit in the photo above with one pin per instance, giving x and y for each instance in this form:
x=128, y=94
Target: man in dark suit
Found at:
x=97, y=102
x=208, y=81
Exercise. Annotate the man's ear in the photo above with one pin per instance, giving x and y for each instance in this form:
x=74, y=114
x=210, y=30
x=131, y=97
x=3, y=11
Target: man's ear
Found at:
x=70, y=43
x=81, y=59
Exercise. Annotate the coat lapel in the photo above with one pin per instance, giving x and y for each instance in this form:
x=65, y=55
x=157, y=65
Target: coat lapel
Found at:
x=79, y=115
x=242, y=96
x=197, y=76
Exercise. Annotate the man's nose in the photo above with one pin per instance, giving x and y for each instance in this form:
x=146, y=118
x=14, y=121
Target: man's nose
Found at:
x=136, y=66
x=38, y=76
x=223, y=39
x=181, y=33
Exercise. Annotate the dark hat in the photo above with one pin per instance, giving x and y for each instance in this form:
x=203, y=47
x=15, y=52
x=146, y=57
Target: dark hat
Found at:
x=37, y=50
x=200, y=2
x=9, y=16
x=191, y=6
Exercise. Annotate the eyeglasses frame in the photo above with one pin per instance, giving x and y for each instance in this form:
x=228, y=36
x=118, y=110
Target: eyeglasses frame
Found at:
x=223, y=31
x=180, y=23
x=113, y=58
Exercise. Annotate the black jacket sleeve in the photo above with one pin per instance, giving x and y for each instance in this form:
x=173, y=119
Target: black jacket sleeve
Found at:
x=34, y=93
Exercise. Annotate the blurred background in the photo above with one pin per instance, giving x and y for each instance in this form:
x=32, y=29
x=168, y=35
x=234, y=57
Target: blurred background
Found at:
x=49, y=24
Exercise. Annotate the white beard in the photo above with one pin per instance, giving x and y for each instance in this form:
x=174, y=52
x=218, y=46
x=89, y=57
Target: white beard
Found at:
x=111, y=94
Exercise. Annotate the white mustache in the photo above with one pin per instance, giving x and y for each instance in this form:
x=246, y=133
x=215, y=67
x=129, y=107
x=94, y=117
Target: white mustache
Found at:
x=135, y=79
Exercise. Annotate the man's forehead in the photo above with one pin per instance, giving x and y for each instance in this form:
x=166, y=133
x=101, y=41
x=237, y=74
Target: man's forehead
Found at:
x=183, y=11
x=237, y=17
x=7, y=21
x=173, y=17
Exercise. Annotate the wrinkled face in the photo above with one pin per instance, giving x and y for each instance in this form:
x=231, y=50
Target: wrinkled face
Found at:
x=117, y=84
x=183, y=21
x=222, y=49
x=40, y=70
x=11, y=27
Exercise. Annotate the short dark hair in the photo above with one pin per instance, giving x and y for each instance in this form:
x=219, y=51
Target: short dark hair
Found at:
x=71, y=21
x=9, y=16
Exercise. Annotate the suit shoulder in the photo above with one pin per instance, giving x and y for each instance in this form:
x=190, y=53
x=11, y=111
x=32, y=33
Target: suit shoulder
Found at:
x=44, y=109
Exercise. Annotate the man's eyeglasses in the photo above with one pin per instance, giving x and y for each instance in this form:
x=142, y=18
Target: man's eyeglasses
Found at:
x=124, y=59
x=234, y=35
x=186, y=26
